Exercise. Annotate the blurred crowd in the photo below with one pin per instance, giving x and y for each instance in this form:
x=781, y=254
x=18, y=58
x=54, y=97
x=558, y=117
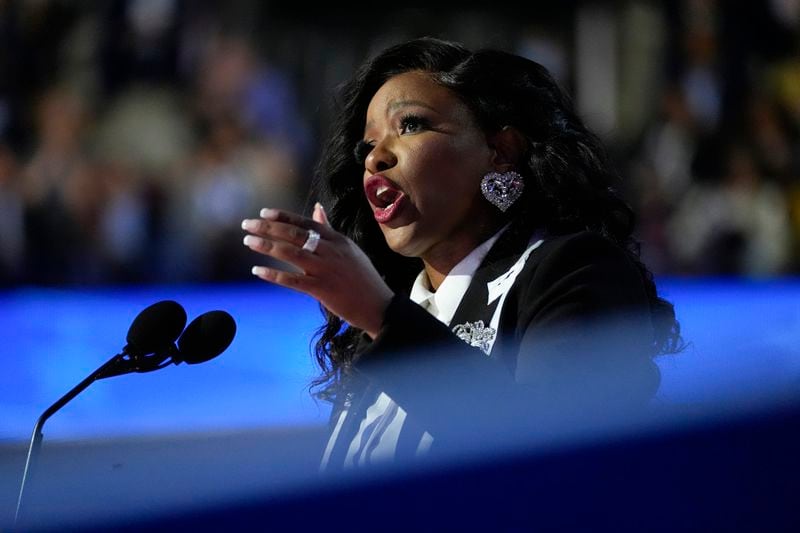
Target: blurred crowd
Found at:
x=141, y=139
x=136, y=134
x=716, y=171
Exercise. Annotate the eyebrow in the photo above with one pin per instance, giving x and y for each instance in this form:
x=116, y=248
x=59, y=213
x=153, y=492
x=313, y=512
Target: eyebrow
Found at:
x=399, y=104
x=393, y=106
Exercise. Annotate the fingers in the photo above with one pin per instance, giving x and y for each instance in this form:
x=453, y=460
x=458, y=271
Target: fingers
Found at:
x=283, y=236
x=276, y=231
x=331, y=269
x=276, y=224
x=284, y=251
x=278, y=215
x=320, y=215
x=290, y=280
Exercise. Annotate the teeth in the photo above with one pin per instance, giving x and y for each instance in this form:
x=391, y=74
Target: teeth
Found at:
x=386, y=196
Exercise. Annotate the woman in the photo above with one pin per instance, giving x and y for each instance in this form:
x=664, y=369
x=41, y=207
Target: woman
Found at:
x=467, y=209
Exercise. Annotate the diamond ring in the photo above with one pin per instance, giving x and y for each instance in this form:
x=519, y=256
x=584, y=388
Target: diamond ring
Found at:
x=311, y=241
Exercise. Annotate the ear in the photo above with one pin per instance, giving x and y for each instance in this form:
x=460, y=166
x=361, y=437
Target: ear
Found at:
x=509, y=146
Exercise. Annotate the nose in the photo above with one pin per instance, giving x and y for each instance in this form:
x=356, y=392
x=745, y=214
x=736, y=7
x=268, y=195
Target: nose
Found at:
x=380, y=158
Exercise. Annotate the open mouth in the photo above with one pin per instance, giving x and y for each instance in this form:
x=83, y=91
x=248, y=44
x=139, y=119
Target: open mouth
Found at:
x=385, y=196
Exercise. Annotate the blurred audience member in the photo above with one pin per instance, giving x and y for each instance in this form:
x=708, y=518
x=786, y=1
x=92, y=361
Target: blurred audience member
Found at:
x=146, y=127
x=140, y=42
x=794, y=214
x=53, y=203
x=662, y=172
x=230, y=172
x=768, y=135
x=700, y=80
x=125, y=234
x=234, y=82
x=736, y=226
x=12, y=231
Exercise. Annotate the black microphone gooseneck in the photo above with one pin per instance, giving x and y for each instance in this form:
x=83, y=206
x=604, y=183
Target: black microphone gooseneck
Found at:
x=151, y=340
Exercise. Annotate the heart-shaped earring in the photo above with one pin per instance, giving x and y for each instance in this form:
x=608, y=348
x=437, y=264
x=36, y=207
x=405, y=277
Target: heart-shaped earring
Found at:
x=502, y=189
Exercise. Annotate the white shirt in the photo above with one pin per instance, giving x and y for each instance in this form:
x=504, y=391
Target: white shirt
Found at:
x=444, y=301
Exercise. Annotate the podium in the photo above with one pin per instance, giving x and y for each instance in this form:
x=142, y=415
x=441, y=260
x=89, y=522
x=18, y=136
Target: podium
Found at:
x=701, y=473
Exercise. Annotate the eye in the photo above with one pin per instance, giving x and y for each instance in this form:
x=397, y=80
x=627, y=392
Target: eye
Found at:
x=412, y=124
x=361, y=151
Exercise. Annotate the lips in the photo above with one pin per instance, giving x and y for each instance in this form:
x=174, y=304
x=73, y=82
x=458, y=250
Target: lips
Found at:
x=386, y=198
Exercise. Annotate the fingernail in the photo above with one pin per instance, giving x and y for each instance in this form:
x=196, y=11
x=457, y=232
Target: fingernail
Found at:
x=250, y=240
x=247, y=224
x=258, y=270
x=268, y=213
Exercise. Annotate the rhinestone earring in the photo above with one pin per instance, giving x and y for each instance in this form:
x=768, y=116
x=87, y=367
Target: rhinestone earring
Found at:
x=502, y=189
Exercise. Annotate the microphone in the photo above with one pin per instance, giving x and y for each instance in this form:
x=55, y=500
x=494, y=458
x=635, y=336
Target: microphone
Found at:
x=151, y=340
x=205, y=337
x=150, y=346
x=156, y=328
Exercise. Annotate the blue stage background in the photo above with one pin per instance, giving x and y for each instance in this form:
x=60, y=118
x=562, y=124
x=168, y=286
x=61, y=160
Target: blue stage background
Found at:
x=744, y=337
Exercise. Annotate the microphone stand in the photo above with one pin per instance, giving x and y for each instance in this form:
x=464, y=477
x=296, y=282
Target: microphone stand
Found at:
x=121, y=363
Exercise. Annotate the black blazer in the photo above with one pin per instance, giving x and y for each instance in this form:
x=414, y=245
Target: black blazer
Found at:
x=573, y=338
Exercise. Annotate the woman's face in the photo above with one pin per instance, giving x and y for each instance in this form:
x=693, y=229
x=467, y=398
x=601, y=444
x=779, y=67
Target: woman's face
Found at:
x=425, y=157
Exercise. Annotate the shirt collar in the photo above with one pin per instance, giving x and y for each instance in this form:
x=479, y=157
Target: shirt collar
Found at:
x=444, y=301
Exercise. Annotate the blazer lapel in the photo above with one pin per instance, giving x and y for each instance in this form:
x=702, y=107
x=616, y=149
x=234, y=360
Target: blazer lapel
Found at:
x=474, y=313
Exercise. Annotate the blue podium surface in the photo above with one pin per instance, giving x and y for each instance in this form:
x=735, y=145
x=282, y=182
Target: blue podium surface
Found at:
x=53, y=338
x=744, y=336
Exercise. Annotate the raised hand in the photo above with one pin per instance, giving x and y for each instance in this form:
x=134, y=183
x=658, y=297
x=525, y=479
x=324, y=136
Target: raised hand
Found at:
x=331, y=267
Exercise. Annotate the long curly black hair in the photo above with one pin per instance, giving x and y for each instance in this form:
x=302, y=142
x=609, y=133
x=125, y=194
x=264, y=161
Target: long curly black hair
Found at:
x=567, y=173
